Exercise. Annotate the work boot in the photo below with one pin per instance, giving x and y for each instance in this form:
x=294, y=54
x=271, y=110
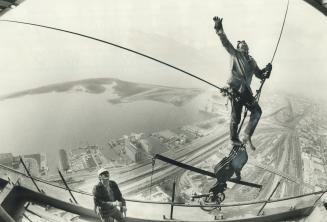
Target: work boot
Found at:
x=247, y=142
x=238, y=175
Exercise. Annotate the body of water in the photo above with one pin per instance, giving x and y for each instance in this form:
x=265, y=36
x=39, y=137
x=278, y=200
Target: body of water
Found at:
x=49, y=122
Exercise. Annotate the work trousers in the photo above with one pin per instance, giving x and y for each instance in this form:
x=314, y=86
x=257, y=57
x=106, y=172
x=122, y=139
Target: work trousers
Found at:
x=245, y=99
x=114, y=215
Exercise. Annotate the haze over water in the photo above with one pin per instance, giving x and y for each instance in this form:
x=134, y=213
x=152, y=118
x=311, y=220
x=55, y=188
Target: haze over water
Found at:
x=49, y=122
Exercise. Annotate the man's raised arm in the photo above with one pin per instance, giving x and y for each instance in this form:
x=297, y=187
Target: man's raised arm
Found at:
x=224, y=40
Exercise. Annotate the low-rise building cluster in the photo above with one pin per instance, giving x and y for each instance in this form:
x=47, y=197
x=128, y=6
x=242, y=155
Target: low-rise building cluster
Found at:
x=36, y=164
x=313, y=141
x=81, y=158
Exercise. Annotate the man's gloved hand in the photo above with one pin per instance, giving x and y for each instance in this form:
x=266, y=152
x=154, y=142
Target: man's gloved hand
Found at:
x=268, y=69
x=218, y=23
x=97, y=210
x=118, y=204
x=115, y=204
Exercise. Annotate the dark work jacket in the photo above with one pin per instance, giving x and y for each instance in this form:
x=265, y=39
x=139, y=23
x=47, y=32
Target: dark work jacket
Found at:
x=101, y=197
x=242, y=68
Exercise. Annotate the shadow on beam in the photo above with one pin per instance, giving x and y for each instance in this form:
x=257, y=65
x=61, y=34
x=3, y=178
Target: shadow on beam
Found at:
x=13, y=207
x=15, y=201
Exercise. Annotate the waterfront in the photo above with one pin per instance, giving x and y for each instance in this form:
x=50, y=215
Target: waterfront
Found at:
x=49, y=122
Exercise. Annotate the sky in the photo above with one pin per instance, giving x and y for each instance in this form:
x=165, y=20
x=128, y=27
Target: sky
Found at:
x=178, y=32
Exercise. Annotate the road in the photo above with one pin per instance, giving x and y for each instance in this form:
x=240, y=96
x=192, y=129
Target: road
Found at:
x=137, y=177
x=278, y=158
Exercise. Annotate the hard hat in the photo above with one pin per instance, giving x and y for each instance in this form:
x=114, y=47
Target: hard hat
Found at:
x=102, y=170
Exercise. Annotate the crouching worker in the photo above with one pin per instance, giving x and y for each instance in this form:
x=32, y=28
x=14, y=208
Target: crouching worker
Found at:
x=108, y=198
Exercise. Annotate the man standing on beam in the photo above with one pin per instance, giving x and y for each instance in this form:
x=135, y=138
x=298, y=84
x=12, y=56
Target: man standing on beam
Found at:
x=242, y=70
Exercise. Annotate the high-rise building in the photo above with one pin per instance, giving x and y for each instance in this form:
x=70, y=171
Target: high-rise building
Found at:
x=31, y=165
x=64, y=160
x=41, y=161
x=134, y=153
x=6, y=159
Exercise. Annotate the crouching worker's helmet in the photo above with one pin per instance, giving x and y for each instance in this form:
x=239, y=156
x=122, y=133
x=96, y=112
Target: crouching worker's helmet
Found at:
x=103, y=174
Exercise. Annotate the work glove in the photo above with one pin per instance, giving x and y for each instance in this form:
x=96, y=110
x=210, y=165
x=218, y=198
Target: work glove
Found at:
x=267, y=72
x=218, y=23
x=97, y=210
x=115, y=203
x=118, y=204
